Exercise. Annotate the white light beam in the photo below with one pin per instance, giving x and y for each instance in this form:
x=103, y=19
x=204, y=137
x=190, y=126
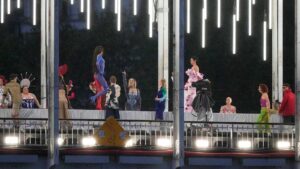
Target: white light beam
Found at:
x=237, y=10
x=265, y=41
x=270, y=13
x=234, y=34
x=188, y=16
x=219, y=14
x=134, y=7
x=116, y=6
x=72, y=2
x=103, y=4
x=34, y=13
x=2, y=11
x=249, y=18
x=18, y=4
x=119, y=15
x=81, y=6
x=203, y=28
x=8, y=6
x=88, y=15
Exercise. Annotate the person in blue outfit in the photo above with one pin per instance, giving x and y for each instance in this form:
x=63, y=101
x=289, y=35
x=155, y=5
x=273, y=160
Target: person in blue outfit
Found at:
x=160, y=100
x=99, y=70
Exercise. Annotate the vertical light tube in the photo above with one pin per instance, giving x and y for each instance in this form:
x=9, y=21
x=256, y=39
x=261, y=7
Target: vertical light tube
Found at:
x=103, y=4
x=116, y=6
x=150, y=12
x=205, y=9
x=119, y=15
x=219, y=14
x=234, y=34
x=8, y=6
x=72, y=2
x=134, y=7
x=249, y=18
x=203, y=28
x=188, y=16
x=265, y=41
x=270, y=13
x=81, y=6
x=18, y=4
x=237, y=10
x=34, y=13
x=2, y=11
x=253, y=2
x=88, y=15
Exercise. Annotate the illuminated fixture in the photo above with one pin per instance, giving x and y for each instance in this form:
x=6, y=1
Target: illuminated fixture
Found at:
x=103, y=4
x=60, y=141
x=270, y=13
x=8, y=6
x=237, y=10
x=119, y=15
x=219, y=14
x=34, y=13
x=164, y=142
x=116, y=6
x=253, y=2
x=88, y=15
x=283, y=145
x=202, y=143
x=134, y=7
x=2, y=11
x=151, y=17
x=234, y=34
x=265, y=41
x=244, y=144
x=81, y=6
x=129, y=143
x=205, y=8
x=88, y=141
x=72, y=2
x=203, y=28
x=18, y=4
x=11, y=140
x=188, y=16
x=249, y=18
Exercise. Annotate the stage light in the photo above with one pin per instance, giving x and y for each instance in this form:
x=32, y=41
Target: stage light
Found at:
x=11, y=140
x=88, y=15
x=244, y=144
x=8, y=6
x=203, y=28
x=150, y=12
x=164, y=142
x=18, y=4
x=129, y=143
x=60, y=141
x=237, y=10
x=202, y=143
x=34, y=13
x=234, y=34
x=205, y=8
x=265, y=41
x=116, y=6
x=253, y=2
x=2, y=11
x=188, y=16
x=219, y=14
x=134, y=7
x=81, y=6
x=270, y=13
x=119, y=15
x=249, y=18
x=88, y=141
x=103, y=4
x=72, y=2
x=283, y=145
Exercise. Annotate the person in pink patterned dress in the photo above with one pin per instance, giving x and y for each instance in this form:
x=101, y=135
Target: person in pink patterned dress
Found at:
x=190, y=92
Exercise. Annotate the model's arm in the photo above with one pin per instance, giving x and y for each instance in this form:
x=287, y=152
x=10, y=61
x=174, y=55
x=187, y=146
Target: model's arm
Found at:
x=36, y=101
x=125, y=85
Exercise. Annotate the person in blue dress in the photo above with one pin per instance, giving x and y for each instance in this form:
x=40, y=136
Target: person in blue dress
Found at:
x=99, y=70
x=160, y=100
x=133, y=95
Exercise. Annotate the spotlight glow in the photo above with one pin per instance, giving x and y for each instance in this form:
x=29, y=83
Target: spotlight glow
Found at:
x=116, y=6
x=164, y=142
x=205, y=8
x=253, y=2
x=119, y=15
x=265, y=41
x=88, y=15
x=244, y=144
x=283, y=145
x=88, y=141
x=103, y=4
x=188, y=16
x=202, y=143
x=234, y=34
x=129, y=143
x=134, y=7
x=249, y=18
x=81, y=6
x=237, y=10
x=2, y=11
x=270, y=13
x=203, y=28
x=72, y=2
x=8, y=6
x=150, y=12
x=34, y=13
x=60, y=141
x=18, y=4
x=219, y=14
x=11, y=140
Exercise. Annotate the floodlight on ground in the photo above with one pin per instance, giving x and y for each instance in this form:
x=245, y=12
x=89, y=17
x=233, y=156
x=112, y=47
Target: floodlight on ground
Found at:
x=129, y=143
x=11, y=140
x=164, y=142
x=283, y=145
x=244, y=144
x=88, y=141
x=202, y=143
x=60, y=141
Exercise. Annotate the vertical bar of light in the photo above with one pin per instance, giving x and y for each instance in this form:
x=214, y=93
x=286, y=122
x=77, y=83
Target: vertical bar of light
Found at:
x=116, y=6
x=134, y=7
x=103, y=4
x=18, y=4
x=81, y=6
x=119, y=15
x=219, y=14
x=237, y=10
x=249, y=18
x=88, y=15
x=188, y=16
x=234, y=34
x=34, y=13
x=2, y=11
x=205, y=9
x=8, y=6
x=203, y=28
x=265, y=41
x=270, y=13
x=150, y=11
x=72, y=2
x=253, y=2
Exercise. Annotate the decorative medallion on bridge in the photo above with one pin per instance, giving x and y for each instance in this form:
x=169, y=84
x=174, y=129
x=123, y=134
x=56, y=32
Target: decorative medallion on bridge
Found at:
x=111, y=134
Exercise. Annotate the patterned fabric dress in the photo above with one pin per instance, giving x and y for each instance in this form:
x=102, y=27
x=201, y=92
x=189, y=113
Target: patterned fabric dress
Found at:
x=190, y=91
x=28, y=102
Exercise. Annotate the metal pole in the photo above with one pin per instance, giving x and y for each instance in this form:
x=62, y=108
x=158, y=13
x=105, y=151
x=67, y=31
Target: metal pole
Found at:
x=52, y=74
x=274, y=52
x=43, y=54
x=280, y=48
x=163, y=43
x=178, y=60
x=297, y=76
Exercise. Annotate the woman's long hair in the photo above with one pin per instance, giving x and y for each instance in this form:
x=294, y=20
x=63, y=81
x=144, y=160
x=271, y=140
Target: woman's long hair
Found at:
x=97, y=51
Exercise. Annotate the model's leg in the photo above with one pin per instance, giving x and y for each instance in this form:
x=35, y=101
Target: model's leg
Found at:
x=103, y=82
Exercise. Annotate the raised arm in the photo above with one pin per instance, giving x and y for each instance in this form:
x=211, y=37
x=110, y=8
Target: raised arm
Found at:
x=125, y=85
